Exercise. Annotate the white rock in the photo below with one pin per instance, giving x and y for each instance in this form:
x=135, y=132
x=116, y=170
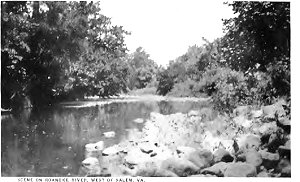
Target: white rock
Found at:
x=242, y=121
x=92, y=166
x=109, y=134
x=138, y=120
x=110, y=150
x=193, y=113
x=94, y=146
x=257, y=113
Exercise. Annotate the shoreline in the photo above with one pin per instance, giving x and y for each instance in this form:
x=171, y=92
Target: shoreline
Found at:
x=96, y=101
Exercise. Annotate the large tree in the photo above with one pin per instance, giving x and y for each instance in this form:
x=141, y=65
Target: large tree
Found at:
x=258, y=39
x=258, y=35
x=52, y=48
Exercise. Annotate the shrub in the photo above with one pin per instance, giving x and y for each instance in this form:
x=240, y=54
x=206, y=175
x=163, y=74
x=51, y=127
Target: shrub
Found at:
x=230, y=90
x=165, y=82
x=183, y=89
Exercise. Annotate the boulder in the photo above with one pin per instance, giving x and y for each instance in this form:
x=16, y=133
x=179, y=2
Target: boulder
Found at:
x=138, y=120
x=270, y=160
x=266, y=128
x=242, y=111
x=249, y=142
x=222, y=155
x=109, y=134
x=275, y=140
x=263, y=174
x=217, y=169
x=285, y=150
x=94, y=149
x=242, y=121
x=110, y=150
x=284, y=167
x=135, y=156
x=193, y=113
x=201, y=158
x=253, y=157
x=181, y=167
x=285, y=124
x=240, y=169
x=151, y=169
x=256, y=113
x=91, y=166
x=184, y=150
x=270, y=111
x=203, y=175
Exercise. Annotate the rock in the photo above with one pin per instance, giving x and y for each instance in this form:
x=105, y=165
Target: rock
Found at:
x=269, y=156
x=284, y=167
x=263, y=174
x=138, y=120
x=147, y=147
x=256, y=113
x=203, y=175
x=184, y=150
x=94, y=149
x=201, y=158
x=193, y=113
x=242, y=121
x=271, y=111
x=285, y=124
x=181, y=167
x=266, y=128
x=240, y=169
x=135, y=156
x=110, y=150
x=109, y=134
x=248, y=142
x=275, y=140
x=150, y=169
x=222, y=155
x=253, y=157
x=91, y=166
x=217, y=169
x=242, y=111
x=270, y=160
x=285, y=150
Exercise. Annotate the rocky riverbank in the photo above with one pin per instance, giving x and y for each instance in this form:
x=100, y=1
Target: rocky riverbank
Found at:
x=248, y=143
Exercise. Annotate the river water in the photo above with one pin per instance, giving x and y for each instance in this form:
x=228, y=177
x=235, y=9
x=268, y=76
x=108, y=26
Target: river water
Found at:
x=50, y=142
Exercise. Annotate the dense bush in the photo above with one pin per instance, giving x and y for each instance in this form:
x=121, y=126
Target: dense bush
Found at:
x=165, y=82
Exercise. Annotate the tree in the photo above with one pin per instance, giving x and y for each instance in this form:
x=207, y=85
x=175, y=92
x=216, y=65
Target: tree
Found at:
x=258, y=36
x=258, y=39
x=142, y=69
x=50, y=49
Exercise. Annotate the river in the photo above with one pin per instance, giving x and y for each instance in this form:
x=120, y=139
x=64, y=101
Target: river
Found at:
x=50, y=142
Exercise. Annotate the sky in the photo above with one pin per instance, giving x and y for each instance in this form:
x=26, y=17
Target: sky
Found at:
x=166, y=28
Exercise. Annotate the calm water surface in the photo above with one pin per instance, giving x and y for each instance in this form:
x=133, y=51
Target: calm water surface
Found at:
x=51, y=142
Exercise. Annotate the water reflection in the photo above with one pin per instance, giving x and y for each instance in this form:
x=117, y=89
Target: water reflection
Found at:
x=50, y=142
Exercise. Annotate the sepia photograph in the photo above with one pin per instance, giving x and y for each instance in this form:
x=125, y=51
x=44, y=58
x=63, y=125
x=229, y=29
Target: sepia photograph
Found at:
x=146, y=88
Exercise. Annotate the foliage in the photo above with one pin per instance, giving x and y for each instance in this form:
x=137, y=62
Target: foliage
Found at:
x=51, y=49
x=249, y=65
x=142, y=69
x=143, y=91
x=165, y=82
x=259, y=35
x=188, y=88
x=258, y=39
x=186, y=72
